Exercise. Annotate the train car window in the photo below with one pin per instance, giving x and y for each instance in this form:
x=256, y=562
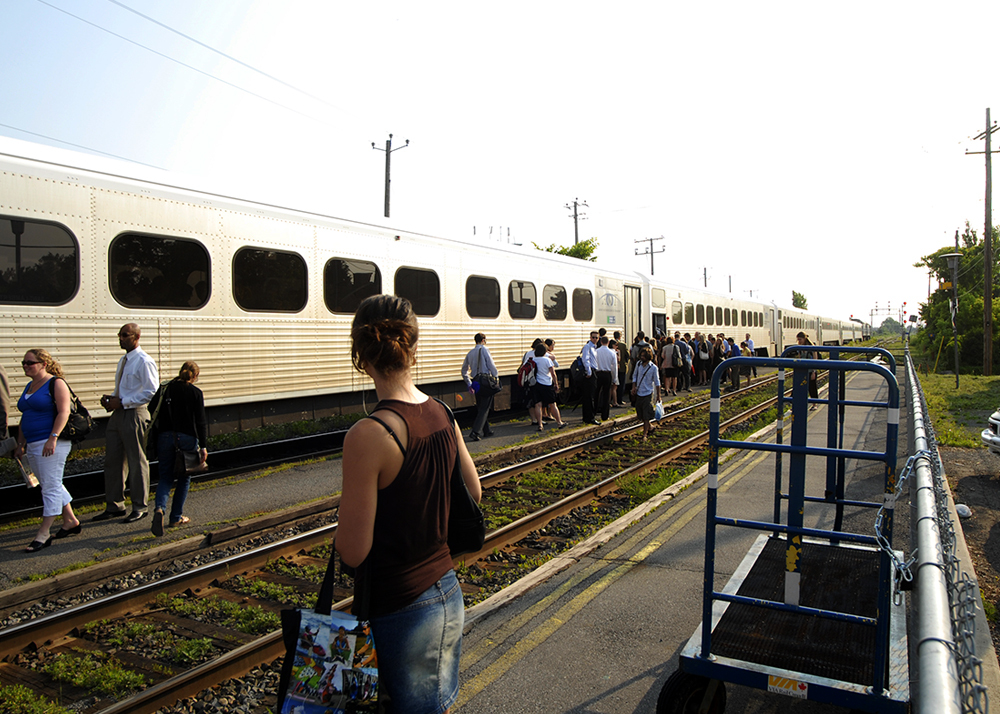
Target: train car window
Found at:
x=160, y=272
x=347, y=282
x=677, y=312
x=709, y=315
x=727, y=317
x=658, y=298
x=583, y=305
x=39, y=262
x=522, y=300
x=700, y=310
x=688, y=313
x=743, y=318
x=554, y=302
x=718, y=316
x=422, y=288
x=482, y=297
x=269, y=280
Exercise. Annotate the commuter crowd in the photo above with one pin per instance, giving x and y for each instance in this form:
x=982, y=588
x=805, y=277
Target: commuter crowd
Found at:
x=605, y=374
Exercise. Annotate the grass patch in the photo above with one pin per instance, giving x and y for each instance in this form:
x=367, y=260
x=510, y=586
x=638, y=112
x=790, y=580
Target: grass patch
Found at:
x=959, y=415
x=250, y=619
x=95, y=672
x=16, y=699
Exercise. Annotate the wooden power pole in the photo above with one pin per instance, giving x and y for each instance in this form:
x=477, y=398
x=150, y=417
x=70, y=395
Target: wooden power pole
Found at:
x=988, y=250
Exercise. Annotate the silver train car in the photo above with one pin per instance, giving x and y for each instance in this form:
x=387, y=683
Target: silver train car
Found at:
x=262, y=297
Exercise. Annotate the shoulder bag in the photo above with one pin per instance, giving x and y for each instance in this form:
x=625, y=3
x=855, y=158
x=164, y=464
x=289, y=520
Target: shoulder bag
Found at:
x=330, y=663
x=79, y=424
x=466, y=523
x=485, y=380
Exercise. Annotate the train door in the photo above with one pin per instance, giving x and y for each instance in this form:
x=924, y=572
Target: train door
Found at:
x=776, y=332
x=633, y=313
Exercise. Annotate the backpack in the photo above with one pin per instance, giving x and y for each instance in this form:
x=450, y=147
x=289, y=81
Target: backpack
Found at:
x=577, y=371
x=526, y=375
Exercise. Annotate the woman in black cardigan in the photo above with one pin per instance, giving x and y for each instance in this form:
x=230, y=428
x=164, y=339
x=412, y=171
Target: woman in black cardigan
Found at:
x=180, y=423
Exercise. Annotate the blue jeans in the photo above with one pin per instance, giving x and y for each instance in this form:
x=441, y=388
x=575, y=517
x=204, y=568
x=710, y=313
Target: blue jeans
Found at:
x=419, y=648
x=165, y=452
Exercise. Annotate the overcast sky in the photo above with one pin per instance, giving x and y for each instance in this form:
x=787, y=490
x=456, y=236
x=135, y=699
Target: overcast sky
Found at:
x=777, y=146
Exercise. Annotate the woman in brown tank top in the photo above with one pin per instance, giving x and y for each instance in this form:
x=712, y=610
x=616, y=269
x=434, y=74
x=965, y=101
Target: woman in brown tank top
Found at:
x=394, y=514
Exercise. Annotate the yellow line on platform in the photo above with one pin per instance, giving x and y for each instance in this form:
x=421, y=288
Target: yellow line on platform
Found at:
x=550, y=626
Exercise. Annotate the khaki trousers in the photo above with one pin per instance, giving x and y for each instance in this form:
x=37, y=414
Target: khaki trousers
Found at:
x=124, y=459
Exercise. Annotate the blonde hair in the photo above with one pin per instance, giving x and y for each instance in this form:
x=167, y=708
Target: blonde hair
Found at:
x=51, y=366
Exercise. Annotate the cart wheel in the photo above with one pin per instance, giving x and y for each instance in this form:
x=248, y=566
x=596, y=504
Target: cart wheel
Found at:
x=682, y=694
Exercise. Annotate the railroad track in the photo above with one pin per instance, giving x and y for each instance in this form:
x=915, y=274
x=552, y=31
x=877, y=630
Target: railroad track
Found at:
x=147, y=630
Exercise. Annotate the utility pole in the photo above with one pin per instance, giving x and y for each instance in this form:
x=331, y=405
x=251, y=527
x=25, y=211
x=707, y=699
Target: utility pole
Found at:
x=577, y=217
x=649, y=250
x=388, y=152
x=988, y=252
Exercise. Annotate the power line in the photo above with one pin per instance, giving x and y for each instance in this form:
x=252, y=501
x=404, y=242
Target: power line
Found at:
x=80, y=146
x=184, y=64
x=223, y=54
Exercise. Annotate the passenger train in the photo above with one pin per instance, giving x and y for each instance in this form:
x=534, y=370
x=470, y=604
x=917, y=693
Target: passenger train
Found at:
x=262, y=297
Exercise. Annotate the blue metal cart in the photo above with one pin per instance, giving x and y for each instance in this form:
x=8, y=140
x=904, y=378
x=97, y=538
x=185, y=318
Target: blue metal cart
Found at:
x=810, y=613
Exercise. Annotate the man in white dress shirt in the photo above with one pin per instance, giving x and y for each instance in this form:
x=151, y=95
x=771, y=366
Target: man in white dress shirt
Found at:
x=136, y=381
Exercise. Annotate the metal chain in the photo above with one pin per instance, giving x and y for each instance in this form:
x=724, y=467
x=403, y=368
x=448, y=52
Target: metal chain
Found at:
x=901, y=569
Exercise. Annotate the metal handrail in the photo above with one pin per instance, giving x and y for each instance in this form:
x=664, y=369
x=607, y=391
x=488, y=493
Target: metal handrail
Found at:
x=948, y=673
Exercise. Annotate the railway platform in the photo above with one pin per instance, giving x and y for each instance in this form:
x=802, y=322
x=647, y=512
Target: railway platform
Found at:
x=602, y=627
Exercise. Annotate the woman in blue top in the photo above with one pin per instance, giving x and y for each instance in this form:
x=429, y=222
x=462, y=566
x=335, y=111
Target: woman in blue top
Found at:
x=45, y=410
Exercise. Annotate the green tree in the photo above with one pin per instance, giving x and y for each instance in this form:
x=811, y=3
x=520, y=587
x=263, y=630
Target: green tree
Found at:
x=584, y=250
x=889, y=327
x=799, y=301
x=936, y=312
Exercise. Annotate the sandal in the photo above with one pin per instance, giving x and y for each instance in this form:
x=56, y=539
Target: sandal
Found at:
x=180, y=522
x=37, y=545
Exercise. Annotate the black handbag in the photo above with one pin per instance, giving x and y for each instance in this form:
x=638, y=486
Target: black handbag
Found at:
x=466, y=523
x=79, y=424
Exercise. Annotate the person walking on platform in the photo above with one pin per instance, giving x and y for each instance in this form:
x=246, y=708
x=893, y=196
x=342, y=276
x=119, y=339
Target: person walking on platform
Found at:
x=588, y=385
x=734, y=372
x=607, y=374
x=813, y=377
x=136, y=381
x=45, y=410
x=479, y=362
x=667, y=369
x=752, y=353
x=646, y=388
x=180, y=423
x=684, y=371
x=403, y=455
x=546, y=387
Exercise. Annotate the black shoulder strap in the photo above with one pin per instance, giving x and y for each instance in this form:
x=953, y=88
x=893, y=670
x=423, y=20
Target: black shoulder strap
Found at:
x=391, y=432
x=451, y=414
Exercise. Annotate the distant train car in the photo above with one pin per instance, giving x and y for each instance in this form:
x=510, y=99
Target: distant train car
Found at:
x=262, y=297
